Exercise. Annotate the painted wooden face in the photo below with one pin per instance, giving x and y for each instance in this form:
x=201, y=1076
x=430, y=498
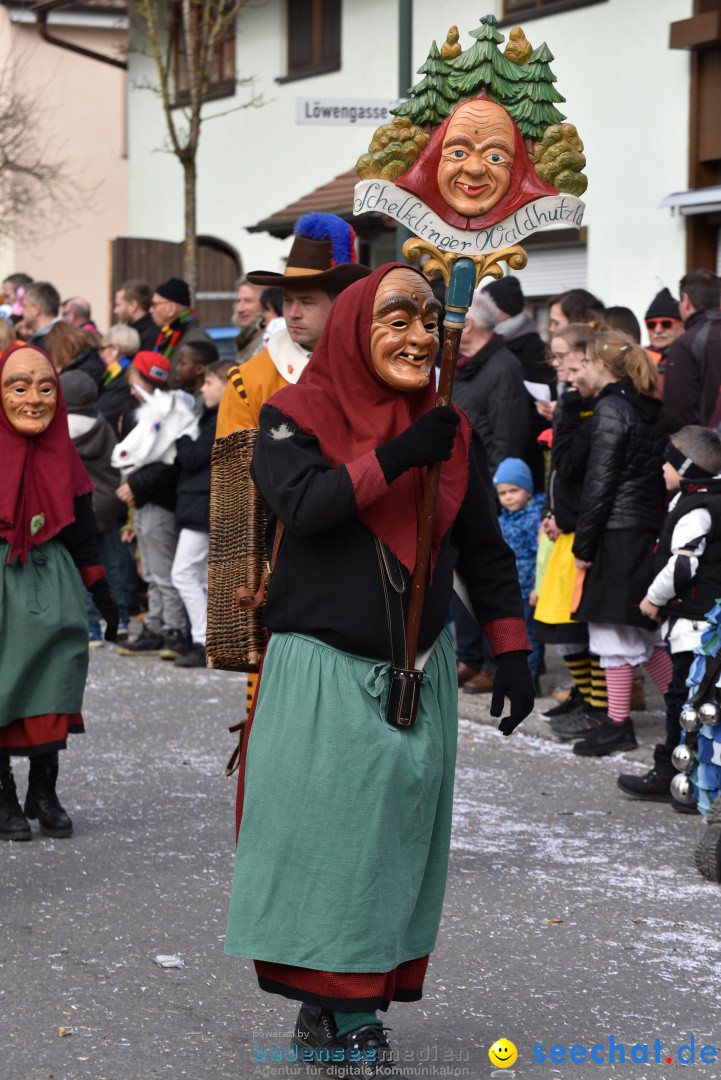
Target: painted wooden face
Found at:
x=29, y=392
x=476, y=158
x=404, y=330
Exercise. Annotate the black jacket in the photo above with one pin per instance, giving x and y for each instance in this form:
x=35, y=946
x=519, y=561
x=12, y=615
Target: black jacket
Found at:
x=115, y=401
x=327, y=581
x=489, y=388
x=532, y=353
x=693, y=373
x=193, y=456
x=147, y=330
x=623, y=485
x=89, y=361
x=155, y=483
x=569, y=457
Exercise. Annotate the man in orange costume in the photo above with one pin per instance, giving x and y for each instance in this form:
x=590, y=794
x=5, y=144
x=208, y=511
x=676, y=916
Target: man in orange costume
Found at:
x=322, y=262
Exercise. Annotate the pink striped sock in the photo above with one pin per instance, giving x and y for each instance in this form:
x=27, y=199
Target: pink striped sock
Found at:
x=660, y=668
x=619, y=681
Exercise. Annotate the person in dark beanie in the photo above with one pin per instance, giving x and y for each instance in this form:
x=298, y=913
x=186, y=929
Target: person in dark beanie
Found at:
x=94, y=440
x=693, y=364
x=664, y=324
x=521, y=337
x=177, y=323
x=519, y=332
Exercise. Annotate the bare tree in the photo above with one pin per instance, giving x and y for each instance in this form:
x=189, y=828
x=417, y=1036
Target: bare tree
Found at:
x=36, y=188
x=202, y=25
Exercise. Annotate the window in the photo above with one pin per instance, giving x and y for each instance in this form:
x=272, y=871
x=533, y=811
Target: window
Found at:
x=313, y=37
x=533, y=9
x=221, y=82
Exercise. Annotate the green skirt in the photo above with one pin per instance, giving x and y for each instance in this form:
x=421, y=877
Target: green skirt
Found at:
x=343, y=845
x=44, y=634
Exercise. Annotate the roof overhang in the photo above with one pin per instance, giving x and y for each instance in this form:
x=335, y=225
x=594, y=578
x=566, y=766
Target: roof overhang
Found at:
x=335, y=197
x=42, y=9
x=700, y=201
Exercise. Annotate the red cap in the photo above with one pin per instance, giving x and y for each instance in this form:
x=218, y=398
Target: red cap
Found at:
x=153, y=366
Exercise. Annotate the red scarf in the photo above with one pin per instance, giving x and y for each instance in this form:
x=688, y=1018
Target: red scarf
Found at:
x=422, y=180
x=41, y=477
x=340, y=400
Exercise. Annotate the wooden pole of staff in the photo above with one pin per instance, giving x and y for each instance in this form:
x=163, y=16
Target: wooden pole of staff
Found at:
x=460, y=293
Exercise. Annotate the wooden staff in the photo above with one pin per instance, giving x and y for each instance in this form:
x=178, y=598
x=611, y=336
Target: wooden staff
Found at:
x=460, y=293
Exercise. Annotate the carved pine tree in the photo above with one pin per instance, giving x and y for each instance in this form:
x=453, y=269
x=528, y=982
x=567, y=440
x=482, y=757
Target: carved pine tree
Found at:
x=484, y=66
x=534, y=109
x=431, y=100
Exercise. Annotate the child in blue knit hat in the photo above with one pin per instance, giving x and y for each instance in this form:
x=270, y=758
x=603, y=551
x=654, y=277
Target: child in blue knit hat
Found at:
x=520, y=520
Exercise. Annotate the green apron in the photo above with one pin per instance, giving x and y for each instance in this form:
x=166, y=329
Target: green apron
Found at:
x=343, y=845
x=43, y=634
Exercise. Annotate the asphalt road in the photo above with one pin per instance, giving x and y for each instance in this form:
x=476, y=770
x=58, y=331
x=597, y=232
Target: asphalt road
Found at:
x=572, y=914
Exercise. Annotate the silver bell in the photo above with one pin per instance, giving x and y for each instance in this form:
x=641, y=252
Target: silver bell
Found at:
x=689, y=718
x=682, y=789
x=710, y=713
x=683, y=758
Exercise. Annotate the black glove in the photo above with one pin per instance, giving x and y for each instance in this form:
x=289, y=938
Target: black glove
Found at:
x=513, y=679
x=427, y=440
x=105, y=603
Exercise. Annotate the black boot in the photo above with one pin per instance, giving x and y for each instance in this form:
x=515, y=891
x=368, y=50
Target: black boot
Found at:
x=362, y=1054
x=13, y=823
x=42, y=802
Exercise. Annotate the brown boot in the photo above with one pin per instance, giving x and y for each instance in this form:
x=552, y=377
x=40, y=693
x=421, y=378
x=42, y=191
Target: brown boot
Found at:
x=482, y=683
x=465, y=672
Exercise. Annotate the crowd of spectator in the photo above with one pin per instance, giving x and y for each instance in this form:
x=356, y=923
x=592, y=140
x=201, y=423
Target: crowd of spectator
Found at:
x=581, y=432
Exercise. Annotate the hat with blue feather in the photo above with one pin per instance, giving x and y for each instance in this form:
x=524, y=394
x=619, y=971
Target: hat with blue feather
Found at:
x=322, y=257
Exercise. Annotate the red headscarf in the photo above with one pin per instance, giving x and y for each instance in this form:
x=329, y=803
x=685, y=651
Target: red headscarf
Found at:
x=422, y=180
x=340, y=400
x=41, y=476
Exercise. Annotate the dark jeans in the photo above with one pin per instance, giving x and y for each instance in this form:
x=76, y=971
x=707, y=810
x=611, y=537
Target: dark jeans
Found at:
x=675, y=699
x=472, y=646
x=535, y=660
x=113, y=559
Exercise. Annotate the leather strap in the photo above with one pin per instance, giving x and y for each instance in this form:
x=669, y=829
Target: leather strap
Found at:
x=394, y=589
x=246, y=598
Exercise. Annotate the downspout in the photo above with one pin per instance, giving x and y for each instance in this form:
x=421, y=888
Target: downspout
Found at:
x=41, y=17
x=405, y=80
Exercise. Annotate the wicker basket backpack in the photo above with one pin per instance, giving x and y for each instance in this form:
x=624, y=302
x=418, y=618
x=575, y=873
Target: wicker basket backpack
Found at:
x=237, y=563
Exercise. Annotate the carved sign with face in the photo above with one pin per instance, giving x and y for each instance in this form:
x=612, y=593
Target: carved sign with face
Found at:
x=476, y=158
x=29, y=392
x=404, y=330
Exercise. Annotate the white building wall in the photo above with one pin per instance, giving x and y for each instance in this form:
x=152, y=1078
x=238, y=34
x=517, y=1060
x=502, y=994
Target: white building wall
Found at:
x=255, y=161
x=626, y=91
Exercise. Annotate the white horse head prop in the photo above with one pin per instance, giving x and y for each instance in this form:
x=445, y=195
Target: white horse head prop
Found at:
x=162, y=418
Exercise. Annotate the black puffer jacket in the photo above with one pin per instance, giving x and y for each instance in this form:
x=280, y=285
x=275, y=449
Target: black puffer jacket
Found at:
x=572, y=423
x=623, y=485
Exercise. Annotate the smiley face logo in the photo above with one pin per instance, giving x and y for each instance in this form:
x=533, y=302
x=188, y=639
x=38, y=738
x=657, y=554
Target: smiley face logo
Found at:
x=503, y=1053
